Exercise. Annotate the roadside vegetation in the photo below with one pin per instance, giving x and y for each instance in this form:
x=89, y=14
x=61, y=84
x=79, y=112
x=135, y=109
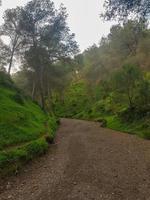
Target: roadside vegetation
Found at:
x=113, y=83
x=24, y=127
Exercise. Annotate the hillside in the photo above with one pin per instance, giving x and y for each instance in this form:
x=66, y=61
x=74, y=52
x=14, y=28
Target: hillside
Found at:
x=23, y=127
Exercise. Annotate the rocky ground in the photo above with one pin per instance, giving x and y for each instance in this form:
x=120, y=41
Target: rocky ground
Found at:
x=86, y=162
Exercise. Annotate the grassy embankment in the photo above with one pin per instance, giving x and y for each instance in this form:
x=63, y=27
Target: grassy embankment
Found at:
x=139, y=127
x=24, y=128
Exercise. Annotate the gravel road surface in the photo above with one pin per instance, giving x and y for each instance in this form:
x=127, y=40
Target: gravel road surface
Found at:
x=86, y=162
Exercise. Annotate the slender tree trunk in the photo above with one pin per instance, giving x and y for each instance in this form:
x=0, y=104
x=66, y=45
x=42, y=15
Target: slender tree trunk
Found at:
x=42, y=99
x=33, y=90
x=130, y=98
x=42, y=94
x=11, y=61
x=12, y=54
x=49, y=96
x=42, y=88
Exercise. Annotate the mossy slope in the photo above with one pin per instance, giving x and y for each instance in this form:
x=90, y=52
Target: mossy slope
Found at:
x=23, y=125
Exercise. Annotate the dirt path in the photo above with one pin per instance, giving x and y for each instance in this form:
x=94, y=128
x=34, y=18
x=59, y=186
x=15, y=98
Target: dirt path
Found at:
x=86, y=163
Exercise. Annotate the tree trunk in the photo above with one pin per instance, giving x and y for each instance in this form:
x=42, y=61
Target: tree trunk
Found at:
x=11, y=60
x=12, y=54
x=33, y=90
x=42, y=99
x=130, y=99
x=42, y=88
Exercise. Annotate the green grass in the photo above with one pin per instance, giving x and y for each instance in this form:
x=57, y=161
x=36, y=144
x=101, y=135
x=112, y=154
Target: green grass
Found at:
x=12, y=161
x=19, y=123
x=23, y=126
x=137, y=127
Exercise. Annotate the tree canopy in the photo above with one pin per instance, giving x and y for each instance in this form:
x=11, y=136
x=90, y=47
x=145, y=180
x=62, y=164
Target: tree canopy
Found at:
x=121, y=9
x=40, y=36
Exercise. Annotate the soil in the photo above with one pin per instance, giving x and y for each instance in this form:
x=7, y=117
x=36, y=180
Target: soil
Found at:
x=86, y=162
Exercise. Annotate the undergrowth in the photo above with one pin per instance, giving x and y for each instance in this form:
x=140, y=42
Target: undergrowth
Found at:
x=23, y=125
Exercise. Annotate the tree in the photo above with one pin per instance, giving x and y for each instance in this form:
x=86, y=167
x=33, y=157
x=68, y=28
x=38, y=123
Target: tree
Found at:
x=47, y=41
x=125, y=39
x=123, y=8
x=126, y=82
x=4, y=55
x=11, y=29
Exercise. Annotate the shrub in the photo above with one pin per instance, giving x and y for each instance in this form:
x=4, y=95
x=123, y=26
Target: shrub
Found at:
x=18, y=98
x=11, y=161
x=5, y=80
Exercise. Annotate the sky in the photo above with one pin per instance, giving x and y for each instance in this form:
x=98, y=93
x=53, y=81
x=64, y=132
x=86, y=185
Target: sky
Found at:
x=83, y=19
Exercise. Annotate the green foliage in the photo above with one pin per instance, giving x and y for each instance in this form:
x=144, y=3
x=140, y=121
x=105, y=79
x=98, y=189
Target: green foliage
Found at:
x=76, y=99
x=19, y=122
x=52, y=124
x=114, y=82
x=5, y=80
x=23, y=126
x=143, y=98
x=121, y=102
x=138, y=127
x=126, y=8
x=11, y=161
x=40, y=34
x=126, y=81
